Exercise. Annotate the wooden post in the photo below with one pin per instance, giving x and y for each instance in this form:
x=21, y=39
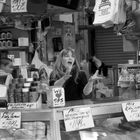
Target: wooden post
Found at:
x=138, y=49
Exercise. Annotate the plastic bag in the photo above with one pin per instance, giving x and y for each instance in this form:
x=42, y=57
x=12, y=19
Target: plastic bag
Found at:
x=40, y=65
x=109, y=12
x=105, y=11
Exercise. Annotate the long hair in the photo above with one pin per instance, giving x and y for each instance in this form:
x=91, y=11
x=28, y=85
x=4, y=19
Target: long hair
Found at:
x=60, y=70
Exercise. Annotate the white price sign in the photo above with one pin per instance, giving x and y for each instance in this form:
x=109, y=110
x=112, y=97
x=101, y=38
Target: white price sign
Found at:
x=23, y=106
x=58, y=96
x=18, y=6
x=78, y=118
x=131, y=111
x=10, y=120
x=2, y=1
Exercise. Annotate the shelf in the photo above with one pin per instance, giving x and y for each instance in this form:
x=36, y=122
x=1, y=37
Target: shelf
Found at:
x=14, y=48
x=128, y=65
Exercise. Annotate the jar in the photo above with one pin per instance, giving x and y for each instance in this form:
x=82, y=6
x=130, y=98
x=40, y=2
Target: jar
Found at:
x=18, y=95
x=25, y=95
x=34, y=95
x=9, y=43
x=15, y=81
x=21, y=81
x=10, y=93
x=9, y=35
x=3, y=35
x=0, y=43
x=4, y=44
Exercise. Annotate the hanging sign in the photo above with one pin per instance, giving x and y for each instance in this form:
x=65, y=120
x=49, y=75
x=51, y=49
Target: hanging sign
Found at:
x=69, y=36
x=18, y=6
x=78, y=118
x=131, y=111
x=10, y=120
x=2, y=1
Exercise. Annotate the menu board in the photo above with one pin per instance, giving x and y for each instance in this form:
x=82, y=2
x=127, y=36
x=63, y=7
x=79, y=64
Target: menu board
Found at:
x=131, y=111
x=10, y=120
x=78, y=118
x=18, y=6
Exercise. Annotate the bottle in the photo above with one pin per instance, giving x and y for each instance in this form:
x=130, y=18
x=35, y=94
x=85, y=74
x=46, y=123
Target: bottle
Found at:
x=18, y=95
x=10, y=94
x=44, y=87
x=34, y=95
x=25, y=95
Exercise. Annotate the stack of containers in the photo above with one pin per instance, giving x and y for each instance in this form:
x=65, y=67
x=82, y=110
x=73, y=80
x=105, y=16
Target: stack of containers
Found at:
x=23, y=91
x=6, y=39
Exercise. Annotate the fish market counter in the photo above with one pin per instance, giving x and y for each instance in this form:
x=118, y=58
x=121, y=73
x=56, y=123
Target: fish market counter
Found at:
x=107, y=108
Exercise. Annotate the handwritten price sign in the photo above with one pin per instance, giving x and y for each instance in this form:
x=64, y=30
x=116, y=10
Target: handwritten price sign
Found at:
x=131, y=111
x=10, y=120
x=18, y=6
x=78, y=118
x=58, y=96
x=22, y=106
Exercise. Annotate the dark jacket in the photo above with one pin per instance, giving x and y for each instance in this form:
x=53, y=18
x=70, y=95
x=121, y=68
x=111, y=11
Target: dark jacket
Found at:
x=73, y=90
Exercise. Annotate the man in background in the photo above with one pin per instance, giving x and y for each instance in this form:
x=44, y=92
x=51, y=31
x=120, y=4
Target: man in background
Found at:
x=6, y=68
x=97, y=64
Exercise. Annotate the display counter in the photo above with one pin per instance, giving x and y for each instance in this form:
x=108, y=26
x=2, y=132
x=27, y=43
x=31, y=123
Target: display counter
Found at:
x=100, y=109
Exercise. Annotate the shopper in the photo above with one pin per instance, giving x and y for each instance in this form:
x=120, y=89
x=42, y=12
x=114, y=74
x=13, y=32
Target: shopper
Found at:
x=66, y=73
x=6, y=68
x=97, y=64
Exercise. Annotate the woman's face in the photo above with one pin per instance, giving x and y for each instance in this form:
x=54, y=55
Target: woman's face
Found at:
x=68, y=60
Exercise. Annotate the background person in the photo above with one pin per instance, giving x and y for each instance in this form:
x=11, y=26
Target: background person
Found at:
x=97, y=64
x=66, y=73
x=6, y=68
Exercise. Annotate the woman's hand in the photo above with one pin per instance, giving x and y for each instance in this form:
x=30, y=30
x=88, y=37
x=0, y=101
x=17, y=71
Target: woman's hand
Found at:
x=66, y=77
x=62, y=80
x=95, y=77
x=89, y=86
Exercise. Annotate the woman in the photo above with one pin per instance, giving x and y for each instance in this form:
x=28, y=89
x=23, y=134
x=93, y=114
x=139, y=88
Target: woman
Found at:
x=66, y=73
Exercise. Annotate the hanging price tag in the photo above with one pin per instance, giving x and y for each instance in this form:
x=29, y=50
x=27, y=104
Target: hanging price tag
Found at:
x=131, y=111
x=10, y=120
x=18, y=6
x=78, y=118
